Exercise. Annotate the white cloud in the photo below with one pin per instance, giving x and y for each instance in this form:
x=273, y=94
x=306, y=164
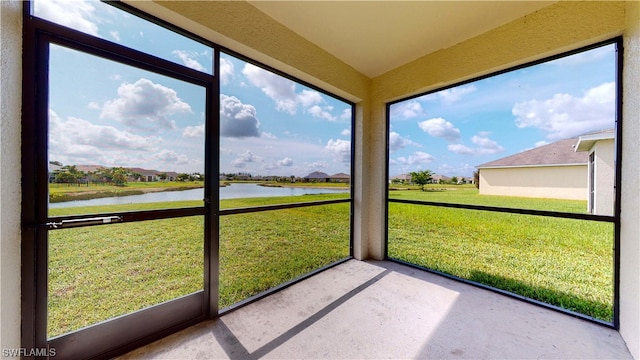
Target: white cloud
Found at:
x=171, y=157
x=317, y=166
x=449, y=96
x=237, y=119
x=417, y=158
x=322, y=113
x=485, y=146
x=346, y=114
x=397, y=142
x=193, y=131
x=115, y=35
x=285, y=162
x=407, y=109
x=76, y=141
x=460, y=149
x=309, y=97
x=268, y=135
x=453, y=95
x=346, y=132
x=283, y=92
x=74, y=14
x=341, y=149
x=227, y=70
x=145, y=105
x=541, y=143
x=244, y=158
x=439, y=127
x=564, y=116
x=278, y=88
x=188, y=59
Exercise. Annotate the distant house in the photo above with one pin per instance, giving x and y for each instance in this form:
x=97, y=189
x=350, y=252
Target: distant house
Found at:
x=402, y=178
x=146, y=175
x=319, y=176
x=550, y=171
x=438, y=179
x=600, y=170
x=580, y=168
x=340, y=177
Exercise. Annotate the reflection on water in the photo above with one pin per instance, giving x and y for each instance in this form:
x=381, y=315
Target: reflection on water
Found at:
x=232, y=191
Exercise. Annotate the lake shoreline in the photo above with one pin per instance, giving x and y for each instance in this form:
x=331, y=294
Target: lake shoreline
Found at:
x=235, y=190
x=100, y=194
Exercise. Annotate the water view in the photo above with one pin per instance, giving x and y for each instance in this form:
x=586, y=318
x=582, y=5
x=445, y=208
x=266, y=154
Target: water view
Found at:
x=233, y=191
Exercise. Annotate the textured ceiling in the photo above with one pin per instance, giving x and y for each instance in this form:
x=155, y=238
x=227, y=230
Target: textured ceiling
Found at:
x=377, y=36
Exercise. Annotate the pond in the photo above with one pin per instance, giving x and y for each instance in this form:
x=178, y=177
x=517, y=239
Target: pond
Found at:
x=233, y=191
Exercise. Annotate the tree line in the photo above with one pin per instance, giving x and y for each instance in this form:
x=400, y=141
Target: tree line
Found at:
x=119, y=176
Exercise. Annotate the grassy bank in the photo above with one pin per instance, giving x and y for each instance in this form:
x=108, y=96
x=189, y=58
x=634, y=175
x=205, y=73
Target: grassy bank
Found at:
x=70, y=192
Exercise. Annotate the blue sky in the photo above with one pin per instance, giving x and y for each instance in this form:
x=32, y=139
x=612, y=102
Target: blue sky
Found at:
x=451, y=131
x=105, y=113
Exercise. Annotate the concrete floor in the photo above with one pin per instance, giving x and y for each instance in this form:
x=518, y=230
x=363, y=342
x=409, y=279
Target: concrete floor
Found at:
x=366, y=310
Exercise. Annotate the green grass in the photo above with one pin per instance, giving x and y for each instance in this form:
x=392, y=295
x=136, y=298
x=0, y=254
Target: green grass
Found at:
x=563, y=262
x=96, y=273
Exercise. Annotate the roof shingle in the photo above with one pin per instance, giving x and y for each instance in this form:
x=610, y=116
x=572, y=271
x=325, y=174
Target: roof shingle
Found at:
x=557, y=153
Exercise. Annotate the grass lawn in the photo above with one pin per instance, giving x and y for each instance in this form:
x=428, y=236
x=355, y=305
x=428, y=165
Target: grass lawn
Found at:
x=564, y=262
x=96, y=273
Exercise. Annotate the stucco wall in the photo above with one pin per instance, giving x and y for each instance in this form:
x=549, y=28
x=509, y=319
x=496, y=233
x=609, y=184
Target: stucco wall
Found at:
x=630, y=216
x=553, y=182
x=10, y=195
x=604, y=177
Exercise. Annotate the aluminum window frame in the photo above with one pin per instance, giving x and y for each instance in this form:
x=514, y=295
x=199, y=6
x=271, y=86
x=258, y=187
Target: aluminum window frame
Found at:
x=613, y=219
x=37, y=35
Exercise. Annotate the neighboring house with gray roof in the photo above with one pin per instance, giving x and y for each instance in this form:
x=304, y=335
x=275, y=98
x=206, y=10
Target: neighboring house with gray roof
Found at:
x=550, y=171
x=317, y=176
x=601, y=170
x=579, y=168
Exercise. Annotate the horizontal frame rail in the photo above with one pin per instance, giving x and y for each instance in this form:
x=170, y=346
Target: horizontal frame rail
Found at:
x=124, y=217
x=281, y=206
x=557, y=214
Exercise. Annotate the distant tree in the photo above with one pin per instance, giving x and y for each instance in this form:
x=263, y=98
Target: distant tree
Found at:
x=119, y=176
x=162, y=176
x=183, y=177
x=69, y=174
x=421, y=177
x=454, y=180
x=58, y=163
x=115, y=175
